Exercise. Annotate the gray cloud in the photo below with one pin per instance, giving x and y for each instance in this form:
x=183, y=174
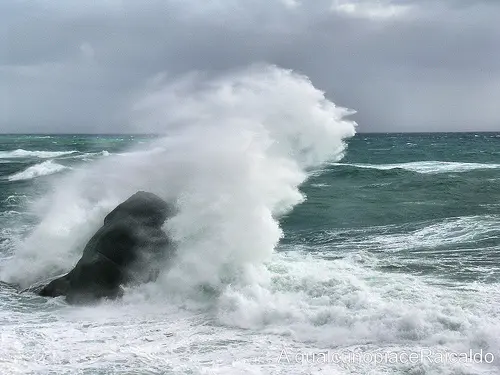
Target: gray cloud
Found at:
x=72, y=66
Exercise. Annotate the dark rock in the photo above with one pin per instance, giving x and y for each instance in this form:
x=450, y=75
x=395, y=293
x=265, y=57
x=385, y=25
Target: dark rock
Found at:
x=129, y=248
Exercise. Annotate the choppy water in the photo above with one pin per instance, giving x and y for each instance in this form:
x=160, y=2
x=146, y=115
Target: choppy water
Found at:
x=297, y=253
x=395, y=250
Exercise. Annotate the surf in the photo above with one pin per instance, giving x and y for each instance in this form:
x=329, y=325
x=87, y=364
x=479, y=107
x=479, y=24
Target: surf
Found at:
x=235, y=150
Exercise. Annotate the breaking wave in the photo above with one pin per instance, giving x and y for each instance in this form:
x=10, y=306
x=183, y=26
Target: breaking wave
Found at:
x=43, y=169
x=20, y=153
x=424, y=167
x=238, y=147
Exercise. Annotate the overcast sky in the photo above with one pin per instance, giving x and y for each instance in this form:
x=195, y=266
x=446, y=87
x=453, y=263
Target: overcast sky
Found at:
x=403, y=65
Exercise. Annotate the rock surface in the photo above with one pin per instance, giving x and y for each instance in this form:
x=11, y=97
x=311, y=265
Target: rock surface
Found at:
x=129, y=248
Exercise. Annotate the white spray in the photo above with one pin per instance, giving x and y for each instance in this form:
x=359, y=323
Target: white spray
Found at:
x=235, y=150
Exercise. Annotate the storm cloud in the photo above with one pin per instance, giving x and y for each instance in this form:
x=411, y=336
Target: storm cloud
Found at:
x=73, y=66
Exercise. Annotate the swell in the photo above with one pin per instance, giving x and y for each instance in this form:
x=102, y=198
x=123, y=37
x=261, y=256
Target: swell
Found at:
x=457, y=249
x=452, y=233
x=350, y=197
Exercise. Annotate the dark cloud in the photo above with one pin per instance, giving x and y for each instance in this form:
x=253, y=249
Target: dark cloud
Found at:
x=73, y=66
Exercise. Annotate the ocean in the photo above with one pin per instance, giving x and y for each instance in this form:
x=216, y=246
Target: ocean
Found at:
x=388, y=261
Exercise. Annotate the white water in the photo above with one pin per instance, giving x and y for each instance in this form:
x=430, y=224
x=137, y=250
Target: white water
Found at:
x=238, y=147
x=43, y=169
x=311, y=306
x=467, y=230
x=427, y=166
x=20, y=153
x=236, y=152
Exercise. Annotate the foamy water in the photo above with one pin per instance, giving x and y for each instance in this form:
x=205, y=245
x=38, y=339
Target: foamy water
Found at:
x=20, y=153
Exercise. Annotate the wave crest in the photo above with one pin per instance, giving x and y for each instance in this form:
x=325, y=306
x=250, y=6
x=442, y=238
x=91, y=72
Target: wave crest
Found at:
x=43, y=169
x=426, y=167
x=20, y=153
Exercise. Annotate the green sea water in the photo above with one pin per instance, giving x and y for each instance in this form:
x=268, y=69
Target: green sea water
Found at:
x=429, y=203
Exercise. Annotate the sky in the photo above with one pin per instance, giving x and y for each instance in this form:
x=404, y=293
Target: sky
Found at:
x=414, y=65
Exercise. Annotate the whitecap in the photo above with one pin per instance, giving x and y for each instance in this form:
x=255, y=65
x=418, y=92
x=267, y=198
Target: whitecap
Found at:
x=427, y=167
x=20, y=153
x=37, y=170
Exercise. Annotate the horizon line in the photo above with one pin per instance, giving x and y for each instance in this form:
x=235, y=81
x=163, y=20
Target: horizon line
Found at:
x=159, y=134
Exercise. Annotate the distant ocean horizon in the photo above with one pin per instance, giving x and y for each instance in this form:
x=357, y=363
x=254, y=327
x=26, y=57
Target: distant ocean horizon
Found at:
x=357, y=132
